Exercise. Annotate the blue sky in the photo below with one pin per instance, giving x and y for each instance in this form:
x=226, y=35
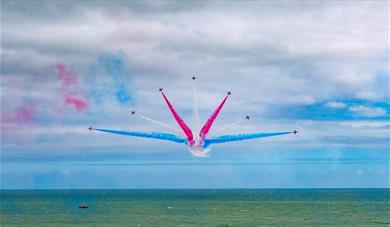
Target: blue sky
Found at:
x=318, y=67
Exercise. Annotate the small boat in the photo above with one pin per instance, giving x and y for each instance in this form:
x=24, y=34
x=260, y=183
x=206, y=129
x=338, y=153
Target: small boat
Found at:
x=83, y=206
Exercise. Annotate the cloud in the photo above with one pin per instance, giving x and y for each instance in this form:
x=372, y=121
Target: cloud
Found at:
x=367, y=111
x=368, y=95
x=359, y=171
x=300, y=100
x=354, y=77
x=367, y=124
x=336, y=105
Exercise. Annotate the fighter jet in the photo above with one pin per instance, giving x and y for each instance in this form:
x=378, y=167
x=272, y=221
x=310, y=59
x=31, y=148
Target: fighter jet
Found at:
x=229, y=93
x=160, y=89
x=193, y=78
x=247, y=117
x=295, y=132
x=90, y=128
x=132, y=112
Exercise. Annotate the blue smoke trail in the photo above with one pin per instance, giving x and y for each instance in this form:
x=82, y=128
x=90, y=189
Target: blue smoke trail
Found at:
x=151, y=135
x=114, y=66
x=238, y=137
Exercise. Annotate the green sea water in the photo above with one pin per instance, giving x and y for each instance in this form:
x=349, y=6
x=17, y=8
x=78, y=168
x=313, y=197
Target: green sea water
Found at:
x=225, y=207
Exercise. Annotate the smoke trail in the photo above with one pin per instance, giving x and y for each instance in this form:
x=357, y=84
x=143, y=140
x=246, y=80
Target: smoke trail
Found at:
x=67, y=78
x=23, y=114
x=238, y=137
x=151, y=135
x=115, y=67
x=229, y=126
x=159, y=123
x=69, y=88
x=205, y=130
x=75, y=101
x=180, y=121
x=195, y=118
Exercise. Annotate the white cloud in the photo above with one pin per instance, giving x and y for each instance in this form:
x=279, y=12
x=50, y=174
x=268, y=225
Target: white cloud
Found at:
x=368, y=95
x=300, y=100
x=366, y=124
x=352, y=76
x=336, y=105
x=367, y=111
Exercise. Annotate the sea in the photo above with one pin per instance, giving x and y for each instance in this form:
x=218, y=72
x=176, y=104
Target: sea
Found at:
x=196, y=207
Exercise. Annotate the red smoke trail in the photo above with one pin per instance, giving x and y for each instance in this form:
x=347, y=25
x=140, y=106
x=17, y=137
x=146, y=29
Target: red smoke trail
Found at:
x=75, y=101
x=24, y=114
x=205, y=130
x=28, y=115
x=67, y=78
x=69, y=82
x=180, y=121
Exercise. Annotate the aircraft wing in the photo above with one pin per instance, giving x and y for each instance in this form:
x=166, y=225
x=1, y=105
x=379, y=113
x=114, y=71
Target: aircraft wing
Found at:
x=150, y=135
x=238, y=137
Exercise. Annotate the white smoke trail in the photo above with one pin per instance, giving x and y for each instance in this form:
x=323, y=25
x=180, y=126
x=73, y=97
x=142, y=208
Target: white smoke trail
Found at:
x=195, y=117
x=228, y=126
x=159, y=123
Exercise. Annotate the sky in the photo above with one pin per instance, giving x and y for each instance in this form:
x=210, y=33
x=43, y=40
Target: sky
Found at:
x=320, y=67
